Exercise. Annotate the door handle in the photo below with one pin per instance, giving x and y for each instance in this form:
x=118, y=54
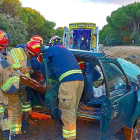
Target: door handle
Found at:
x=115, y=105
x=115, y=114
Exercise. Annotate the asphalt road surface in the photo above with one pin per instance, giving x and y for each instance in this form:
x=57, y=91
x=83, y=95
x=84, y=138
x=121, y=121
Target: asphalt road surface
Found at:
x=49, y=130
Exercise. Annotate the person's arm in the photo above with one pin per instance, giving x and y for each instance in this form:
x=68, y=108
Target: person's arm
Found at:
x=35, y=64
x=49, y=52
x=97, y=79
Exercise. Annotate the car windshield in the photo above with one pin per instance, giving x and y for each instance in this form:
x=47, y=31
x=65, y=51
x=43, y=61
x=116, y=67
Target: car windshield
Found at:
x=130, y=69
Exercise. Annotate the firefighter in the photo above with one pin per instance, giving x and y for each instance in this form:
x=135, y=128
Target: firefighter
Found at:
x=4, y=76
x=19, y=60
x=9, y=82
x=25, y=91
x=70, y=90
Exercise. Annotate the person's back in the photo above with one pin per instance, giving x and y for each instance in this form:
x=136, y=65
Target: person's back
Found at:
x=64, y=61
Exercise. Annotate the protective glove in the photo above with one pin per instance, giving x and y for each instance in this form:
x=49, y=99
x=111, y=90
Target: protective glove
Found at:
x=97, y=83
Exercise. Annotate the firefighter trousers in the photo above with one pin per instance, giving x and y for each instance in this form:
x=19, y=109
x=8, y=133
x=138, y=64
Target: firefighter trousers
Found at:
x=69, y=96
x=25, y=98
x=14, y=113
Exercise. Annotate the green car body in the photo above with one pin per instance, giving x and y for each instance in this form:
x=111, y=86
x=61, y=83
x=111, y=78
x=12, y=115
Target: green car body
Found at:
x=118, y=108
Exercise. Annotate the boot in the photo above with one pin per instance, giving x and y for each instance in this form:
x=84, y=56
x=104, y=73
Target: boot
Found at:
x=5, y=135
x=29, y=119
x=14, y=137
x=60, y=137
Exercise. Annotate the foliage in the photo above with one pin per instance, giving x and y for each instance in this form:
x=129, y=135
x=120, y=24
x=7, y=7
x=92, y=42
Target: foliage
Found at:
x=32, y=19
x=110, y=41
x=124, y=23
x=16, y=29
x=59, y=32
x=12, y=8
x=104, y=32
x=25, y=22
x=36, y=24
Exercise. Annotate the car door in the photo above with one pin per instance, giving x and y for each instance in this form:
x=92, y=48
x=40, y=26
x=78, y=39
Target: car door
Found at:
x=119, y=102
x=66, y=37
x=96, y=49
x=52, y=85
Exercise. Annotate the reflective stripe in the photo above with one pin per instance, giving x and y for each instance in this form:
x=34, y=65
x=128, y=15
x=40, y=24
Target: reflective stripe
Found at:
x=69, y=73
x=15, y=127
x=26, y=110
x=68, y=134
x=100, y=78
x=1, y=109
x=15, y=59
x=36, y=46
x=26, y=107
x=27, y=74
x=14, y=66
x=9, y=83
x=80, y=62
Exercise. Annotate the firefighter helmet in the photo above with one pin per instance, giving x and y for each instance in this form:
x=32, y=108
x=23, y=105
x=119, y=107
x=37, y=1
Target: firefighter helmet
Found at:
x=81, y=64
x=40, y=57
x=33, y=48
x=37, y=38
x=3, y=40
x=54, y=40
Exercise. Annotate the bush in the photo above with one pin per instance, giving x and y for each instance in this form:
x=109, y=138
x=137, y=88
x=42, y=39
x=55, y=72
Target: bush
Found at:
x=16, y=29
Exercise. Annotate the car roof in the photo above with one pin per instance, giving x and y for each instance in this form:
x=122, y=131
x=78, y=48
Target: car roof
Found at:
x=86, y=54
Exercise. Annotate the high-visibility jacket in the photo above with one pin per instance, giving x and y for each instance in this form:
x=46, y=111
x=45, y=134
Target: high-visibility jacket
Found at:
x=20, y=61
x=18, y=58
x=34, y=62
x=9, y=79
x=15, y=59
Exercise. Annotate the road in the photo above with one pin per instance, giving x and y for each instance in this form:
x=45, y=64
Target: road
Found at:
x=49, y=130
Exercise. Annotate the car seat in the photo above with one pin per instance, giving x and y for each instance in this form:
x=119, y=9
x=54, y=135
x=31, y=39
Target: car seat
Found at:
x=88, y=87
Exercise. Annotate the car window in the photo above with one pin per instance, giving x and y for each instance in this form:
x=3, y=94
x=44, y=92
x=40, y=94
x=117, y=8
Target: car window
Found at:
x=115, y=77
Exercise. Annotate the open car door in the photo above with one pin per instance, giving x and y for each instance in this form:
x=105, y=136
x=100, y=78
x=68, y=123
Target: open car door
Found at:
x=51, y=95
x=66, y=37
x=97, y=39
x=119, y=101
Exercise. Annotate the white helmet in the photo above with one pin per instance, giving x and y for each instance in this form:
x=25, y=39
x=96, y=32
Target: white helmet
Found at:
x=54, y=40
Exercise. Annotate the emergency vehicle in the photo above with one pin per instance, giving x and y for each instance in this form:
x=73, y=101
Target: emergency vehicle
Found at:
x=82, y=36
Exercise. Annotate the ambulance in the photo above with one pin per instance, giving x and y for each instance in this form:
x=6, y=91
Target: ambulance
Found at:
x=82, y=36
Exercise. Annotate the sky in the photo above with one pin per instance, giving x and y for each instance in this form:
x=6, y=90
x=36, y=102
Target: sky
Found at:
x=63, y=12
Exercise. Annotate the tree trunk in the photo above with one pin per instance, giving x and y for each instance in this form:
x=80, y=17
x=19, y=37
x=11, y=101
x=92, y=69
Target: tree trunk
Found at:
x=136, y=31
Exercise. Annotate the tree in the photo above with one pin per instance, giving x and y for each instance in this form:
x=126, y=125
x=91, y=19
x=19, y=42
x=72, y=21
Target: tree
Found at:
x=104, y=32
x=59, y=32
x=32, y=19
x=36, y=24
x=47, y=31
x=126, y=20
x=12, y=8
